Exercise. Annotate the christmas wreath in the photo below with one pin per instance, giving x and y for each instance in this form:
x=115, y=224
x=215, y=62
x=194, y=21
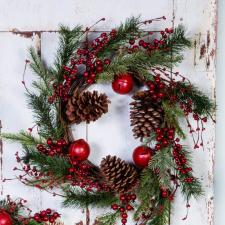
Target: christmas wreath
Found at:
x=127, y=56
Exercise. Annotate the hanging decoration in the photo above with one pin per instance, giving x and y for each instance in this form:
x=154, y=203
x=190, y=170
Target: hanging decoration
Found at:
x=126, y=57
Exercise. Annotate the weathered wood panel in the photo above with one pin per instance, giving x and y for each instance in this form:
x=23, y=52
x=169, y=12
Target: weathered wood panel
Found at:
x=28, y=23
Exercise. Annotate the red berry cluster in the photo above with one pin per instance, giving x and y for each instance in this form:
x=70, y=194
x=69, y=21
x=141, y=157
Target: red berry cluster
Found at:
x=164, y=137
x=125, y=206
x=79, y=175
x=153, y=45
x=42, y=179
x=46, y=216
x=181, y=162
x=53, y=148
x=86, y=56
x=157, y=88
x=13, y=206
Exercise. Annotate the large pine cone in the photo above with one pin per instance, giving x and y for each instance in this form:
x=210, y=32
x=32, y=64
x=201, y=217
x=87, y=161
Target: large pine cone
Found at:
x=86, y=106
x=121, y=176
x=145, y=114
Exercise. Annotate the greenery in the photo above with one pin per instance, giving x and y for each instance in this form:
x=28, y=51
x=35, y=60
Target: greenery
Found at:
x=75, y=197
x=50, y=123
x=16, y=214
x=108, y=219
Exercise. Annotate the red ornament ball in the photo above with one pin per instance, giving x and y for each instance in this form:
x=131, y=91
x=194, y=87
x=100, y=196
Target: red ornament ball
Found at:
x=142, y=155
x=5, y=218
x=123, y=84
x=79, y=150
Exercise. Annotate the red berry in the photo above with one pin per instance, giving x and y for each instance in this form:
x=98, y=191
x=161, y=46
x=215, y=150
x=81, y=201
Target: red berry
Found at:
x=129, y=207
x=49, y=141
x=114, y=206
x=164, y=194
x=122, y=209
x=122, y=198
x=43, y=213
x=124, y=215
x=133, y=196
x=124, y=221
x=48, y=211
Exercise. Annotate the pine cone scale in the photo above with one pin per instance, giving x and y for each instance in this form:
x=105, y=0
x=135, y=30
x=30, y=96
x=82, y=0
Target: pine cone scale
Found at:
x=86, y=106
x=145, y=114
x=121, y=176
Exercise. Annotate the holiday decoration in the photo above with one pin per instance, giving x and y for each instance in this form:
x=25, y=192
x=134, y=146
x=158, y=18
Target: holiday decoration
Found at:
x=125, y=56
x=79, y=150
x=146, y=114
x=11, y=213
x=123, y=84
x=121, y=176
x=86, y=106
x=142, y=155
x=5, y=218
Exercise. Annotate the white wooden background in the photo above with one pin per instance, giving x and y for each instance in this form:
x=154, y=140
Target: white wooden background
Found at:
x=28, y=23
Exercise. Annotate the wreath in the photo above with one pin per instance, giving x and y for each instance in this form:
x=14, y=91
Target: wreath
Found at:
x=125, y=57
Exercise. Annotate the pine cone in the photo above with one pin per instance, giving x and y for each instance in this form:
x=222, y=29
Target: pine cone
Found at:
x=121, y=176
x=86, y=106
x=145, y=114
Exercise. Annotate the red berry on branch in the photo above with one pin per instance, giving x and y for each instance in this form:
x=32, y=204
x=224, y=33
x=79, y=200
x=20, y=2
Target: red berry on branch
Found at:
x=114, y=206
x=132, y=41
x=49, y=141
x=164, y=194
x=124, y=215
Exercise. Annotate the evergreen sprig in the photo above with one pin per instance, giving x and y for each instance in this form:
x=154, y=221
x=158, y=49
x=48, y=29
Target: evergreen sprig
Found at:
x=69, y=41
x=23, y=137
x=107, y=219
x=80, y=198
x=172, y=115
x=58, y=166
x=193, y=189
x=202, y=105
x=125, y=32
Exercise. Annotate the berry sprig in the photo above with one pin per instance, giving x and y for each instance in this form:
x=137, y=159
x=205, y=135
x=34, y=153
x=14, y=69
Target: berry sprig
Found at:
x=181, y=162
x=52, y=148
x=47, y=215
x=80, y=175
x=125, y=206
x=164, y=137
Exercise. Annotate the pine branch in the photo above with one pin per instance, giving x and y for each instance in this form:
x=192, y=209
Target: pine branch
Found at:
x=81, y=198
x=69, y=41
x=162, y=217
x=162, y=162
x=39, y=67
x=193, y=189
x=149, y=189
x=172, y=114
x=58, y=166
x=137, y=63
x=45, y=116
x=125, y=32
x=177, y=41
x=107, y=219
x=23, y=137
x=202, y=105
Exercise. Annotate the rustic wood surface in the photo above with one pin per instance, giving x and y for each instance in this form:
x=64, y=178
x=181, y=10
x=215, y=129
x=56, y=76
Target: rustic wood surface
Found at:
x=28, y=23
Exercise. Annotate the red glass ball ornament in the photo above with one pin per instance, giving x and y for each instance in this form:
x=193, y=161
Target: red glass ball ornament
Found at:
x=79, y=150
x=142, y=155
x=5, y=218
x=123, y=84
